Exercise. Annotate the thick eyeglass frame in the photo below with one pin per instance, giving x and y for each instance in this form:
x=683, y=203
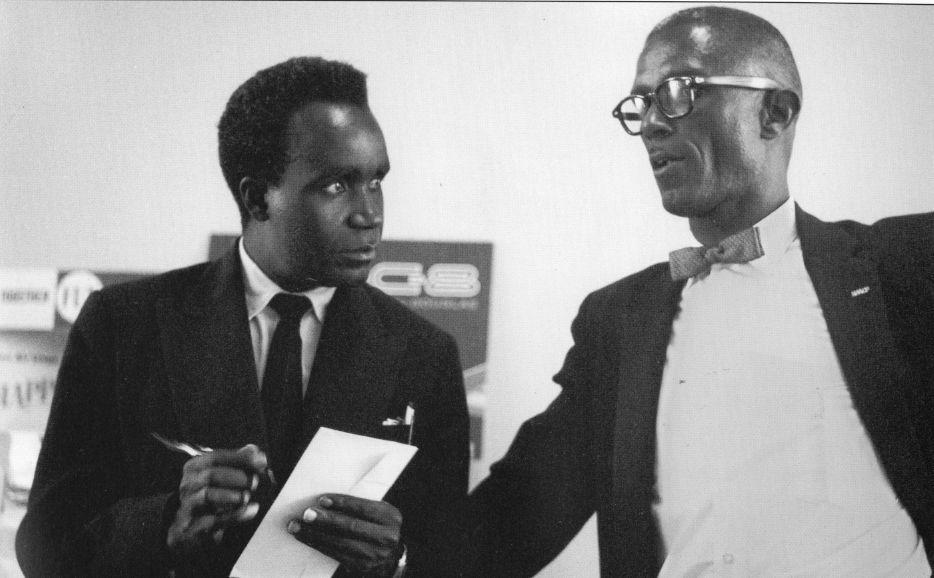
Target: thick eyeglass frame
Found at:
x=691, y=83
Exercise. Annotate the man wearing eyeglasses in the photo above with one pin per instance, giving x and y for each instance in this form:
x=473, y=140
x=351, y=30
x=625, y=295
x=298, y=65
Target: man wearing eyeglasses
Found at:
x=760, y=405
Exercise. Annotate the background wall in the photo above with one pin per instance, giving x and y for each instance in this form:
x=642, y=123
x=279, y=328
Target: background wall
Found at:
x=497, y=118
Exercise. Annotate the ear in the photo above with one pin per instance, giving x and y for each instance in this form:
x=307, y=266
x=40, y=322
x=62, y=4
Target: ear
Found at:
x=253, y=196
x=780, y=110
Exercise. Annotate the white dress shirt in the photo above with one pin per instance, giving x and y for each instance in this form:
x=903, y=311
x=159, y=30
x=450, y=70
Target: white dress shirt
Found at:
x=764, y=467
x=260, y=290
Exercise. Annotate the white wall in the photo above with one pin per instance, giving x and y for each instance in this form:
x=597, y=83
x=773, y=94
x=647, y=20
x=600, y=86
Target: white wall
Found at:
x=498, y=122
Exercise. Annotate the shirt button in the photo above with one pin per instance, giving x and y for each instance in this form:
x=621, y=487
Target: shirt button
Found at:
x=728, y=558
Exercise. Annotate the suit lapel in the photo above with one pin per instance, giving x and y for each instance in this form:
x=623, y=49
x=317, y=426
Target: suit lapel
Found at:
x=208, y=358
x=645, y=328
x=353, y=376
x=844, y=273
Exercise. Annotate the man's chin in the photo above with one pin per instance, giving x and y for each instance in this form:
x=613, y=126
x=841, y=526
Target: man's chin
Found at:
x=677, y=203
x=340, y=278
x=688, y=203
x=347, y=277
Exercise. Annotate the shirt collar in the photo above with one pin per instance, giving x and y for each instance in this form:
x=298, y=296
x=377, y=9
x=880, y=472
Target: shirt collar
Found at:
x=260, y=289
x=777, y=230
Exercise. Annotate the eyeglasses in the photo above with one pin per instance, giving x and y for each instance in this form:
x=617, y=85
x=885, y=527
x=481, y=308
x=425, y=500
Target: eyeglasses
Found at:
x=675, y=97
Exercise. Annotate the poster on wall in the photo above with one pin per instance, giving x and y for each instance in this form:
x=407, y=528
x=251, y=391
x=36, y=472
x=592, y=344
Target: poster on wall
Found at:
x=447, y=283
x=38, y=306
x=37, y=309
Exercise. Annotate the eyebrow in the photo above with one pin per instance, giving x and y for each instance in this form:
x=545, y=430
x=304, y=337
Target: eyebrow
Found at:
x=640, y=89
x=643, y=89
x=351, y=171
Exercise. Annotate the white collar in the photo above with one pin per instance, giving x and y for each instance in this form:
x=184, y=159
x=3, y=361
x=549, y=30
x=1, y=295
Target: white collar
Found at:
x=777, y=231
x=260, y=289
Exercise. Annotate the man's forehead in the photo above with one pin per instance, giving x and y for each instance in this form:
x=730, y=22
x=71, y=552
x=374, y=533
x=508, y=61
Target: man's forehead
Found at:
x=695, y=48
x=323, y=115
x=660, y=60
x=324, y=132
x=701, y=36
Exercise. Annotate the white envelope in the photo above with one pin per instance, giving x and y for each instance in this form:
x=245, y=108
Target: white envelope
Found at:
x=334, y=462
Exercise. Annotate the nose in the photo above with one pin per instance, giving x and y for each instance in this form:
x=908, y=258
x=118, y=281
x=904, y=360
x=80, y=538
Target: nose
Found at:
x=655, y=125
x=367, y=210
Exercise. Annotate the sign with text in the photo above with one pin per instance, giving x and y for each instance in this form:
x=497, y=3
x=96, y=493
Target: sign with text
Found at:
x=27, y=298
x=37, y=308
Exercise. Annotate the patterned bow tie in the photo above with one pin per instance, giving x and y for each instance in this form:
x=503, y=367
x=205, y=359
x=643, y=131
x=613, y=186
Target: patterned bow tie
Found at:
x=742, y=247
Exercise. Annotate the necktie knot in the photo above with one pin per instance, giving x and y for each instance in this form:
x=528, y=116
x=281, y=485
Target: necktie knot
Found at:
x=290, y=307
x=741, y=247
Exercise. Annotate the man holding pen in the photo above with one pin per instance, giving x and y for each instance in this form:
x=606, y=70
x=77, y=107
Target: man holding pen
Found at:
x=250, y=355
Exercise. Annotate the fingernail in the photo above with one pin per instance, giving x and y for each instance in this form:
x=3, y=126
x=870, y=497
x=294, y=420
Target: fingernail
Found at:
x=293, y=527
x=309, y=515
x=249, y=512
x=255, y=483
x=246, y=498
x=325, y=501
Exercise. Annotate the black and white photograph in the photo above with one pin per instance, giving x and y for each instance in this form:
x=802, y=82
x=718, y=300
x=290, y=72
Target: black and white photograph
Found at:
x=466, y=289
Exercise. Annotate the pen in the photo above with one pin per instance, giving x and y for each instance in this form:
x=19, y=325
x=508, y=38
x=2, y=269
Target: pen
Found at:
x=185, y=448
x=410, y=420
x=193, y=450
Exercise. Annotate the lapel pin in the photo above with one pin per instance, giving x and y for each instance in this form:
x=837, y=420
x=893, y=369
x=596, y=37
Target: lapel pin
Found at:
x=860, y=291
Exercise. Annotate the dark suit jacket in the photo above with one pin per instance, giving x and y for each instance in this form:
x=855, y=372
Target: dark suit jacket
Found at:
x=593, y=449
x=172, y=354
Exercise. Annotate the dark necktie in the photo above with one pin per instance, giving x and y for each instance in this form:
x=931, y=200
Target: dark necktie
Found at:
x=742, y=247
x=282, y=385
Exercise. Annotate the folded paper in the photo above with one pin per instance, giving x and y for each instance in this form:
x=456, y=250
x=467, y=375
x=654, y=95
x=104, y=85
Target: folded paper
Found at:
x=334, y=462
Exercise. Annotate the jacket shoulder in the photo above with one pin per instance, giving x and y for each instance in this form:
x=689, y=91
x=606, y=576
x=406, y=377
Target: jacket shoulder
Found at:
x=138, y=294
x=906, y=232
x=918, y=223
x=905, y=248
x=400, y=318
x=635, y=285
x=913, y=232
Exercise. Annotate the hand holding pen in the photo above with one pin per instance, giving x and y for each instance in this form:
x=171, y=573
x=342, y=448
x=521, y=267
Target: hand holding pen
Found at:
x=217, y=490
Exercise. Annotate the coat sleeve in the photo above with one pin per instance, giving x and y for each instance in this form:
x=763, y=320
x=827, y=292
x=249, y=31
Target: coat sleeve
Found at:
x=905, y=246
x=537, y=498
x=78, y=520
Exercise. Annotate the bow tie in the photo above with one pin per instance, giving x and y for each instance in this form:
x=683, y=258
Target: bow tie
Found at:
x=742, y=247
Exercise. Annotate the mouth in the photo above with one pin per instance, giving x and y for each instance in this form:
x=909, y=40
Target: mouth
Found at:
x=662, y=160
x=364, y=253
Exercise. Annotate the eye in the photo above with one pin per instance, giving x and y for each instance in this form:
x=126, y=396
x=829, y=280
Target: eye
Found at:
x=375, y=185
x=334, y=188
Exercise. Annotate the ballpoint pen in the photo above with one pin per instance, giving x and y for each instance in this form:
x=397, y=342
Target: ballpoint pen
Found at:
x=193, y=450
x=182, y=447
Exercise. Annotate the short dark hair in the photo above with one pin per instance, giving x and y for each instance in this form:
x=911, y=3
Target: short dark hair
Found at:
x=252, y=131
x=755, y=36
